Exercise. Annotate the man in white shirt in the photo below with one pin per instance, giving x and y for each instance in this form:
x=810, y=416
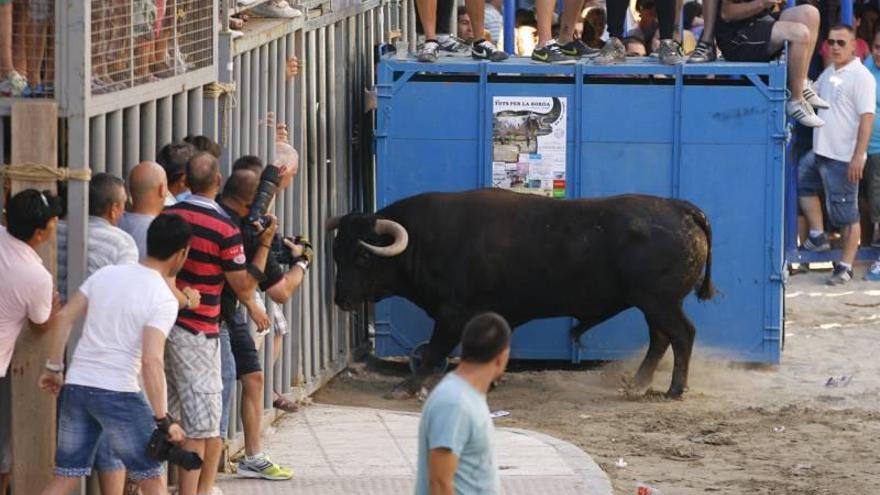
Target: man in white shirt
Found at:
x=841, y=148
x=128, y=311
x=31, y=217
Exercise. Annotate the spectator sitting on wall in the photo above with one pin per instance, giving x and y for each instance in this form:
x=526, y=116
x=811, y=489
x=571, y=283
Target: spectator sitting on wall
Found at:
x=663, y=12
x=840, y=149
x=31, y=217
x=872, y=172
x=238, y=194
x=594, y=27
x=173, y=158
x=747, y=32
x=481, y=49
x=193, y=351
x=455, y=430
x=128, y=312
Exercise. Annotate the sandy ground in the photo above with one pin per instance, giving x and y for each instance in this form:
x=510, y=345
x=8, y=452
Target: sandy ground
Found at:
x=740, y=430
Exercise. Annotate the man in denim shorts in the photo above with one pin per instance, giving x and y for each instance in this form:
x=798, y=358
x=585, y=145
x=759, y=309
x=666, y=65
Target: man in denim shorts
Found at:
x=129, y=311
x=840, y=149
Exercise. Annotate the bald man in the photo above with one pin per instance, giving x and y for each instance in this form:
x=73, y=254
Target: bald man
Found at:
x=147, y=186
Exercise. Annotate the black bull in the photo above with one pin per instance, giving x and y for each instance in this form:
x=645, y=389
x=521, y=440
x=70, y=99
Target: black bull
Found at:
x=526, y=257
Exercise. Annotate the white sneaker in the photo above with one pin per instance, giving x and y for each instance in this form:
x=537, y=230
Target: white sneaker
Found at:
x=803, y=113
x=13, y=84
x=812, y=98
x=276, y=8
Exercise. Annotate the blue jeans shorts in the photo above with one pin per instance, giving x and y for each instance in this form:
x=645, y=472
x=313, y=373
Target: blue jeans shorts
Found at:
x=227, y=375
x=87, y=415
x=816, y=172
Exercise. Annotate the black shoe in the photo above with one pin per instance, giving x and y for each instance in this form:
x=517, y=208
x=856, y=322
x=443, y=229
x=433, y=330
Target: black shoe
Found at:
x=485, y=50
x=578, y=48
x=551, y=53
x=703, y=53
x=817, y=244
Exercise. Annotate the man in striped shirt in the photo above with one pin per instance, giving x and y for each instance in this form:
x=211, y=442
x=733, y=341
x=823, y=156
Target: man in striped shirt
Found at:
x=216, y=258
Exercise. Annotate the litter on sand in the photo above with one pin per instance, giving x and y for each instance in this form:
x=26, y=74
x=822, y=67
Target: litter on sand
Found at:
x=499, y=414
x=840, y=381
x=621, y=463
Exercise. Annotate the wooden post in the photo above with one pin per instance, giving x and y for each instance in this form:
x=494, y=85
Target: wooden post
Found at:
x=34, y=140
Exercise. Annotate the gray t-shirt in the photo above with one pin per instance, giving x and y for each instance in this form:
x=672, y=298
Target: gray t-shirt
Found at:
x=456, y=417
x=136, y=224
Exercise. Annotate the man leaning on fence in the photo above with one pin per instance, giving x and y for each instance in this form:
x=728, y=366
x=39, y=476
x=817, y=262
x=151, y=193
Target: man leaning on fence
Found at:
x=30, y=217
x=193, y=354
x=128, y=312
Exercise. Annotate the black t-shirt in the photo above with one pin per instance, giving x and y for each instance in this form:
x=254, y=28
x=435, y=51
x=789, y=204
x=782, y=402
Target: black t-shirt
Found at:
x=270, y=276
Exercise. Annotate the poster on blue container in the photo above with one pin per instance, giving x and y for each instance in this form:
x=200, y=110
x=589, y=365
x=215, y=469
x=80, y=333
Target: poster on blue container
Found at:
x=528, y=144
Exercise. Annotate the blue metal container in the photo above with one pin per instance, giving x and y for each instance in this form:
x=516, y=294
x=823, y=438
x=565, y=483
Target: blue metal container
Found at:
x=713, y=134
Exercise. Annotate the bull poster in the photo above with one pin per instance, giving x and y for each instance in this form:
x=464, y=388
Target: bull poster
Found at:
x=528, y=144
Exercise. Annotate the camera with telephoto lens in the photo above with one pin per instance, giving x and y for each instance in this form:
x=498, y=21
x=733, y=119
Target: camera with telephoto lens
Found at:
x=269, y=181
x=162, y=449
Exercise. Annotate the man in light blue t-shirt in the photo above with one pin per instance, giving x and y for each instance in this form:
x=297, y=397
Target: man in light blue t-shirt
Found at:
x=456, y=453
x=872, y=166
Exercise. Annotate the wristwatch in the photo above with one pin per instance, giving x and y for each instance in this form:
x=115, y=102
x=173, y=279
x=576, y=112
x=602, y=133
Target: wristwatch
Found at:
x=54, y=367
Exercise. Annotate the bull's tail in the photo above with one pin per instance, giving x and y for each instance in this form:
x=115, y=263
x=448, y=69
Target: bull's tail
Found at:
x=706, y=289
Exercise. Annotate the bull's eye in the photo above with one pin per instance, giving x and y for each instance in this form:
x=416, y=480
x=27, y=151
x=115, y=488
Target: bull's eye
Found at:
x=362, y=259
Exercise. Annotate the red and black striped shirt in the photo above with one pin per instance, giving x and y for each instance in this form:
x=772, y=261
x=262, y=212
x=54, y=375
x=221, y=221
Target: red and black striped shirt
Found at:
x=215, y=248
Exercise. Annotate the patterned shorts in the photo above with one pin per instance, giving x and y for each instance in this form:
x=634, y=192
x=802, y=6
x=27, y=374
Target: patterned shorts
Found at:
x=192, y=368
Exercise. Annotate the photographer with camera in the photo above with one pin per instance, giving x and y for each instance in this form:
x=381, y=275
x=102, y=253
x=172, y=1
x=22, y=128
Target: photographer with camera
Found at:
x=246, y=199
x=129, y=311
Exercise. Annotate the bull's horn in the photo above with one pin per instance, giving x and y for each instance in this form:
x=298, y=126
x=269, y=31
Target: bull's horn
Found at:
x=401, y=238
x=333, y=223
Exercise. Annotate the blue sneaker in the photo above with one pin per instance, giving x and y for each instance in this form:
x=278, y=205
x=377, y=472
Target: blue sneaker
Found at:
x=817, y=244
x=873, y=273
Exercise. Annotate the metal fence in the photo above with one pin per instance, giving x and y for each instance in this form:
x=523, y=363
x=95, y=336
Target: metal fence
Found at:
x=234, y=91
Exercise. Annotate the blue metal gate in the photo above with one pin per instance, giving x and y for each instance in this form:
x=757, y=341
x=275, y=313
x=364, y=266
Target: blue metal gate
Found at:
x=712, y=134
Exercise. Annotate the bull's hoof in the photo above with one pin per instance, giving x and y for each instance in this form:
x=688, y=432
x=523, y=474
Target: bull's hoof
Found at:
x=675, y=393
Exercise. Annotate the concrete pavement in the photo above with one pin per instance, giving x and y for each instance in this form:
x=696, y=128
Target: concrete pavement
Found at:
x=347, y=450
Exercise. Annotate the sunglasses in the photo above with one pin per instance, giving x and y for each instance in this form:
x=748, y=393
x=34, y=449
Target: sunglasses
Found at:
x=840, y=43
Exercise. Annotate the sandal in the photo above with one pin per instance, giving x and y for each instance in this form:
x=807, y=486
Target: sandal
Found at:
x=283, y=404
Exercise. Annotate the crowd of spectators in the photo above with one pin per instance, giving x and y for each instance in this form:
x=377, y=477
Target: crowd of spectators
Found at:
x=176, y=303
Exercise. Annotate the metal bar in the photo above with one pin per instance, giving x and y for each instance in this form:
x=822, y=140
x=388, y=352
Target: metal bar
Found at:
x=234, y=123
x=295, y=120
x=323, y=166
x=180, y=130
x=263, y=116
x=509, y=12
x=148, y=130
x=195, y=99
x=254, y=125
x=131, y=149
x=244, y=101
x=98, y=143
x=677, y=103
x=310, y=339
x=114, y=143
x=103, y=103
x=164, y=121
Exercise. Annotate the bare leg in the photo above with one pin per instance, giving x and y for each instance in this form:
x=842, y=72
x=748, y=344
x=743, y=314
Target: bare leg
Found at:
x=213, y=449
x=812, y=209
x=252, y=411
x=428, y=15
x=59, y=486
x=155, y=486
x=571, y=13
x=6, y=39
x=19, y=34
x=475, y=10
x=112, y=482
x=36, y=51
x=851, y=236
x=800, y=27
x=544, y=15
x=710, y=13
x=188, y=481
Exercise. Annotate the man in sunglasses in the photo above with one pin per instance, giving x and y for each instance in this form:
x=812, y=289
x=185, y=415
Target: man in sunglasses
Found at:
x=840, y=148
x=755, y=31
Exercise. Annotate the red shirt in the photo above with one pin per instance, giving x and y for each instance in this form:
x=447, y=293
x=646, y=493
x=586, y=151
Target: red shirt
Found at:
x=215, y=248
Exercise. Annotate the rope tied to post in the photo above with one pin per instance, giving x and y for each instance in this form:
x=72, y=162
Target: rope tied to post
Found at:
x=36, y=172
x=217, y=89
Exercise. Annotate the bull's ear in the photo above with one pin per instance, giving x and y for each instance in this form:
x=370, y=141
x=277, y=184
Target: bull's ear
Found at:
x=333, y=223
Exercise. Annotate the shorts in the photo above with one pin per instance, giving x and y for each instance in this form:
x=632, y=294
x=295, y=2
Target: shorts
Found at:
x=747, y=41
x=195, y=386
x=227, y=374
x=244, y=348
x=279, y=321
x=816, y=172
x=88, y=414
x=41, y=10
x=106, y=459
x=5, y=423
